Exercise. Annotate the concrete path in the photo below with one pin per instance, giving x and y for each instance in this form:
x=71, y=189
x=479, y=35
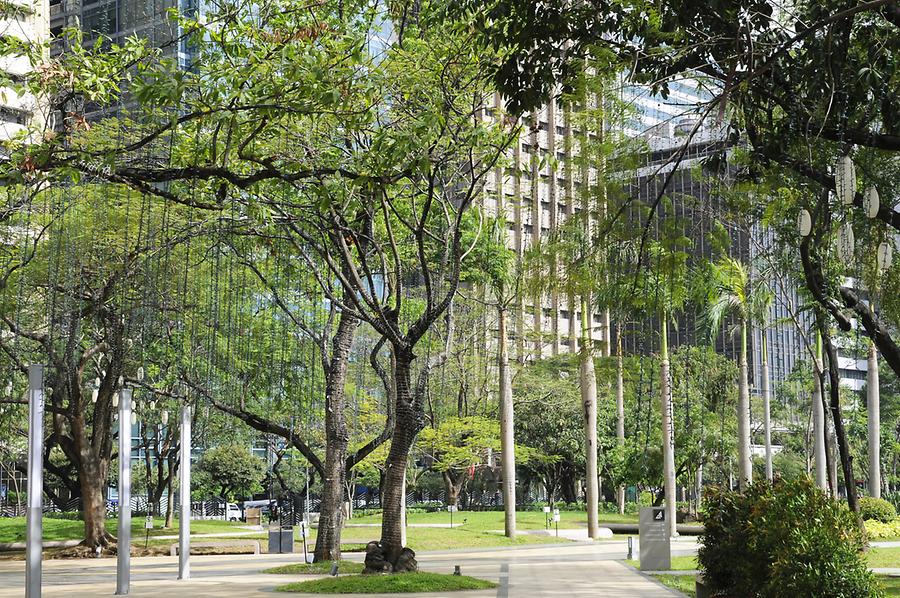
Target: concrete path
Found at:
x=572, y=570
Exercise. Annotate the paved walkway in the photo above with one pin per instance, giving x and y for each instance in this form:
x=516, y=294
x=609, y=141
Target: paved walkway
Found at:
x=568, y=570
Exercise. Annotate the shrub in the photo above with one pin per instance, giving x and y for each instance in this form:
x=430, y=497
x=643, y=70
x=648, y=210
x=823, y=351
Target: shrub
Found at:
x=878, y=530
x=876, y=509
x=785, y=539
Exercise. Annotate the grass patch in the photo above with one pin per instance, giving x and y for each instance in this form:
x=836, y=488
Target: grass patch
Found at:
x=493, y=520
x=890, y=585
x=682, y=583
x=12, y=529
x=322, y=568
x=437, y=538
x=389, y=584
x=679, y=563
x=883, y=557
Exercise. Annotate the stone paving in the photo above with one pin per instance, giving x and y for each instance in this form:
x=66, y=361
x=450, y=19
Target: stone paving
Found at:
x=572, y=570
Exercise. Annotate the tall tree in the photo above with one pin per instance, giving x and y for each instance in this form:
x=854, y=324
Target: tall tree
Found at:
x=733, y=293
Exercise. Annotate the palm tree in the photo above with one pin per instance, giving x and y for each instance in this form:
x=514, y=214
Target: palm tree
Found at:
x=733, y=293
x=495, y=268
x=665, y=290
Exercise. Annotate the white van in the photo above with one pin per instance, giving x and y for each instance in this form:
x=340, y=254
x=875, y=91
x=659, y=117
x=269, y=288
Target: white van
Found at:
x=233, y=512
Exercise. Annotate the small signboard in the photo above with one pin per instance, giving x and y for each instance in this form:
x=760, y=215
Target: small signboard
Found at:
x=656, y=549
x=452, y=508
x=555, y=514
x=148, y=524
x=546, y=509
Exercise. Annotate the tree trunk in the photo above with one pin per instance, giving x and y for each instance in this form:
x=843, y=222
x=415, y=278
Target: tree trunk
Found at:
x=453, y=485
x=668, y=432
x=331, y=517
x=767, y=406
x=93, y=504
x=873, y=411
x=170, y=492
x=589, y=404
x=409, y=420
x=745, y=463
x=840, y=432
x=699, y=486
x=620, y=410
x=507, y=427
x=818, y=420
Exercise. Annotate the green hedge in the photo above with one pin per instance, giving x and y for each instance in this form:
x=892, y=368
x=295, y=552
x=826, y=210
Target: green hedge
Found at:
x=787, y=539
x=876, y=509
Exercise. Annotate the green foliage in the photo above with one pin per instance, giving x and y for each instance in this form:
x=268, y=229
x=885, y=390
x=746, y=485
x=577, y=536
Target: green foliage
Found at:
x=877, y=530
x=230, y=471
x=785, y=539
x=876, y=509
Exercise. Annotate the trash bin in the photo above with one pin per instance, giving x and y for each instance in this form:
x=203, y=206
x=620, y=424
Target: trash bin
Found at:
x=281, y=540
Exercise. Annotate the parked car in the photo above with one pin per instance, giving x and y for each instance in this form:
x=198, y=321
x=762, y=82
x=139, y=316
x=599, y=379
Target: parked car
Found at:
x=233, y=512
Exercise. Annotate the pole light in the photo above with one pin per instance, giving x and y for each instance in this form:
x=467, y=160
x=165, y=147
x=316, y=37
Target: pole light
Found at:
x=123, y=549
x=34, y=515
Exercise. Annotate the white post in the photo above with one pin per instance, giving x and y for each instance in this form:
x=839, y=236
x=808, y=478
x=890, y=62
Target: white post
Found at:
x=818, y=415
x=123, y=548
x=184, y=522
x=873, y=396
x=767, y=405
x=34, y=515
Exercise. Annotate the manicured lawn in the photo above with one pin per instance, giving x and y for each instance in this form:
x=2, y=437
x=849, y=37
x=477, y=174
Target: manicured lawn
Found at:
x=883, y=557
x=389, y=584
x=436, y=538
x=323, y=568
x=12, y=529
x=682, y=583
x=493, y=520
x=891, y=585
x=679, y=563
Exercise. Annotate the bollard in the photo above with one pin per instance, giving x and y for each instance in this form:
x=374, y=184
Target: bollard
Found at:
x=630, y=548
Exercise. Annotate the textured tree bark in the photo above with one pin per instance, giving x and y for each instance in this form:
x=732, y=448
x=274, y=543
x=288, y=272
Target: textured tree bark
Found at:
x=745, y=463
x=840, y=432
x=408, y=423
x=589, y=403
x=668, y=433
x=331, y=517
x=170, y=490
x=507, y=437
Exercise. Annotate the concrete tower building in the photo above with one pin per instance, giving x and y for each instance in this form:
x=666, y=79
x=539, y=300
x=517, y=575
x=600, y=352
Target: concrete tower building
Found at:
x=26, y=20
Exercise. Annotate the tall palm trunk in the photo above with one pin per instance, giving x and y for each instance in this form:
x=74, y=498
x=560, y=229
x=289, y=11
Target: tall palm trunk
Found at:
x=873, y=409
x=620, y=409
x=589, y=404
x=668, y=432
x=767, y=408
x=507, y=439
x=818, y=417
x=745, y=464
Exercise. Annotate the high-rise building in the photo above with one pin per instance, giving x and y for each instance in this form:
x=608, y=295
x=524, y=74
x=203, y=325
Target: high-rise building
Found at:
x=25, y=20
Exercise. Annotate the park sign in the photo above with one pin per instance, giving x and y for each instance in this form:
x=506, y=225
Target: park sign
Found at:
x=656, y=550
